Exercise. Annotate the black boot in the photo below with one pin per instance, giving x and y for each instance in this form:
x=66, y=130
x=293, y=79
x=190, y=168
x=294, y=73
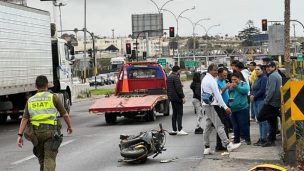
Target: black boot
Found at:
x=199, y=130
x=268, y=144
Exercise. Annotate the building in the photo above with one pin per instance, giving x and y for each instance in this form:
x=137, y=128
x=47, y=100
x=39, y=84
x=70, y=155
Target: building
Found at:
x=154, y=46
x=21, y=2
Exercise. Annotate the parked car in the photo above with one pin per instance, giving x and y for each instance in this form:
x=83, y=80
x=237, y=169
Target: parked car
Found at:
x=76, y=80
x=99, y=81
x=113, y=77
x=105, y=78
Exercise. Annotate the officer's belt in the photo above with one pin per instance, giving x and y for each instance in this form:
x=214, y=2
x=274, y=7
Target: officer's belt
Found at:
x=45, y=127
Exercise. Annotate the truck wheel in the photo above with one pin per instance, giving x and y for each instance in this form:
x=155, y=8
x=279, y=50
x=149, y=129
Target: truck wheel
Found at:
x=14, y=116
x=67, y=102
x=151, y=115
x=3, y=118
x=110, y=118
x=167, y=108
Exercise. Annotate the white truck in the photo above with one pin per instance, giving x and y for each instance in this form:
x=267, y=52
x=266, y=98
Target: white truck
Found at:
x=27, y=50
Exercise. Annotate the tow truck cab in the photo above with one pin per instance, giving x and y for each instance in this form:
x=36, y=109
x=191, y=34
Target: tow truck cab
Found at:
x=144, y=77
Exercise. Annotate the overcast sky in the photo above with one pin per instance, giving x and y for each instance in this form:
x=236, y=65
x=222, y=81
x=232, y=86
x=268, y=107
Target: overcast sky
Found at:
x=232, y=15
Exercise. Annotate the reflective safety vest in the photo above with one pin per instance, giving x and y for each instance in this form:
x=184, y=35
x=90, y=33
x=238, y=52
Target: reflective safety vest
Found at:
x=42, y=109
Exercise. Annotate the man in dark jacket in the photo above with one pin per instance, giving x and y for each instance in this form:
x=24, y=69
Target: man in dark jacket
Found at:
x=177, y=98
x=272, y=102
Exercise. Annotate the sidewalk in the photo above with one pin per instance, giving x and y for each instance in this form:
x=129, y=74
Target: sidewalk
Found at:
x=244, y=157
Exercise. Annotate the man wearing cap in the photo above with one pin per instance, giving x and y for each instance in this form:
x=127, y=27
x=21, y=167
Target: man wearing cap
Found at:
x=272, y=102
x=41, y=126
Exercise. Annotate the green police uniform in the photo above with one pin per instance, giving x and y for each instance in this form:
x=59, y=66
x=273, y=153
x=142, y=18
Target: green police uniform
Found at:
x=42, y=111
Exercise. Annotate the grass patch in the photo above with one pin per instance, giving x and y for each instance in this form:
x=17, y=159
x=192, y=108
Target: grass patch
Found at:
x=101, y=91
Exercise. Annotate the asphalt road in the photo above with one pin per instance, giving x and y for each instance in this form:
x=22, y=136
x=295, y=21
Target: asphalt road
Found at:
x=94, y=144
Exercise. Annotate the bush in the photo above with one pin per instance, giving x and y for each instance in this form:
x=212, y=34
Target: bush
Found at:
x=101, y=91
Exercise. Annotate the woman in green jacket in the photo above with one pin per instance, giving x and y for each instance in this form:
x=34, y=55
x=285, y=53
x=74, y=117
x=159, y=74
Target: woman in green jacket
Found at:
x=239, y=107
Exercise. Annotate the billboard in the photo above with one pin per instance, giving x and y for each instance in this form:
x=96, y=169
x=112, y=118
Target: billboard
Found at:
x=150, y=23
x=276, y=39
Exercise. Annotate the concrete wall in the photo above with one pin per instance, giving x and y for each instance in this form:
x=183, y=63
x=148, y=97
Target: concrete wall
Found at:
x=79, y=89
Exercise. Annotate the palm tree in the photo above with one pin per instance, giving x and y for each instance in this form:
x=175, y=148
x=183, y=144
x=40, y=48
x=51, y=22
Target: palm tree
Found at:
x=287, y=37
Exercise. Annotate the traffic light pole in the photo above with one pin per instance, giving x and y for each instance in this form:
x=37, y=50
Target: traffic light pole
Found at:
x=136, y=50
x=290, y=20
x=136, y=43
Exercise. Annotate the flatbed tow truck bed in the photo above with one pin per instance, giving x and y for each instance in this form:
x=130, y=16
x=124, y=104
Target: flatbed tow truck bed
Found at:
x=126, y=104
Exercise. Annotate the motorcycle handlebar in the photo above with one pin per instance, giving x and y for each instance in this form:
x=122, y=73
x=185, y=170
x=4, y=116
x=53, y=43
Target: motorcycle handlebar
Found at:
x=161, y=127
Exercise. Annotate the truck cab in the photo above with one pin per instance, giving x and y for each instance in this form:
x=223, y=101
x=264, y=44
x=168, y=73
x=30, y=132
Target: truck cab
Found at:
x=144, y=77
x=62, y=70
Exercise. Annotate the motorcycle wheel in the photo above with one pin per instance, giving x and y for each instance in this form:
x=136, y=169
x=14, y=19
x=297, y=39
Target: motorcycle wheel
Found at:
x=133, y=153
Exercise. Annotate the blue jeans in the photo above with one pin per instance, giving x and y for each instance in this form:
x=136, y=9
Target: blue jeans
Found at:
x=262, y=125
x=240, y=122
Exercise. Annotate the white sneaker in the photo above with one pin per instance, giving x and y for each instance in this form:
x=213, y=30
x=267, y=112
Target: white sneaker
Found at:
x=231, y=146
x=208, y=151
x=182, y=132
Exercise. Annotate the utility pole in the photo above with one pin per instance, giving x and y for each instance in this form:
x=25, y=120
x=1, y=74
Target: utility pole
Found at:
x=295, y=39
x=113, y=36
x=85, y=40
x=287, y=38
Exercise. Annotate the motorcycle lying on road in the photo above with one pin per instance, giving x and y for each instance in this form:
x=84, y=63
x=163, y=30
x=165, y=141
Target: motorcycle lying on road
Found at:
x=137, y=148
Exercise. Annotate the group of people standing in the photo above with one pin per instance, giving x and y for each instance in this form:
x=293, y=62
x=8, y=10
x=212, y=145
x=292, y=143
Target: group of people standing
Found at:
x=224, y=99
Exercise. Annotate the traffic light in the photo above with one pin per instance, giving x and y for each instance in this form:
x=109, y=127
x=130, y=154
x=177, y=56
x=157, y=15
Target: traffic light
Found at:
x=91, y=63
x=133, y=55
x=171, y=31
x=128, y=48
x=264, y=25
x=90, y=52
x=144, y=55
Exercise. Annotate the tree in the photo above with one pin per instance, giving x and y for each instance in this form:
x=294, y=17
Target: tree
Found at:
x=190, y=43
x=247, y=33
x=173, y=43
x=70, y=38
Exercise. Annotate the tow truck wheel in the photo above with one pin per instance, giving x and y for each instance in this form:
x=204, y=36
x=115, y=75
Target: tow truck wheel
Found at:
x=67, y=102
x=152, y=115
x=3, y=118
x=14, y=116
x=110, y=118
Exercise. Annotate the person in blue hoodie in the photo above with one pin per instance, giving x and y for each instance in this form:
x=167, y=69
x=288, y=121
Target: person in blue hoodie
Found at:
x=239, y=106
x=257, y=96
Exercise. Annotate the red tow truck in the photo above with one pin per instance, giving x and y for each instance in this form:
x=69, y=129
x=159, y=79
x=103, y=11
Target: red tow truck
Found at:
x=141, y=89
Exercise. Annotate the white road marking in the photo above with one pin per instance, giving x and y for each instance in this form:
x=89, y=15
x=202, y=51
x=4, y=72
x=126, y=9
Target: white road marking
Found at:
x=33, y=156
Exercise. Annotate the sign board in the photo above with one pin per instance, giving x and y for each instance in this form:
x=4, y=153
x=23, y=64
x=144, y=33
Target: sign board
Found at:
x=191, y=64
x=297, y=99
x=300, y=57
x=162, y=61
x=276, y=39
x=150, y=23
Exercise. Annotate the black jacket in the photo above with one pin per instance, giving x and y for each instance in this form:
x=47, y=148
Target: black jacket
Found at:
x=174, y=88
x=196, y=88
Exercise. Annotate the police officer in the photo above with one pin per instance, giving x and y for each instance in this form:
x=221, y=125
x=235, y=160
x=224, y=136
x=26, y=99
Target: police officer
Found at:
x=41, y=126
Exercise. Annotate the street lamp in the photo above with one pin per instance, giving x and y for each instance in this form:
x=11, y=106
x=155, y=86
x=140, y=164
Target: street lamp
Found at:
x=177, y=17
x=206, y=32
x=194, y=24
x=159, y=12
x=161, y=8
x=59, y=5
